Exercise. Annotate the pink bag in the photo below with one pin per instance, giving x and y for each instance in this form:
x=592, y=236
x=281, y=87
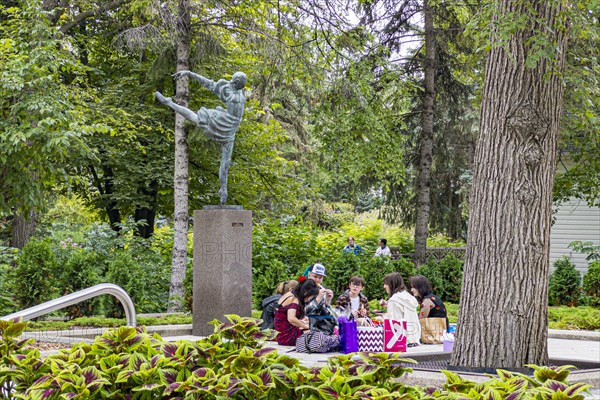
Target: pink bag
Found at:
x=394, y=336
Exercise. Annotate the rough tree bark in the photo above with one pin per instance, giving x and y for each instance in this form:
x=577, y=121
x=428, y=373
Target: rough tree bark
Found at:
x=105, y=186
x=503, y=319
x=23, y=228
x=181, y=175
x=426, y=141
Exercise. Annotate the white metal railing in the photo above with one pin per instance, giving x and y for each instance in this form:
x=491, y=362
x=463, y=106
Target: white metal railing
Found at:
x=74, y=298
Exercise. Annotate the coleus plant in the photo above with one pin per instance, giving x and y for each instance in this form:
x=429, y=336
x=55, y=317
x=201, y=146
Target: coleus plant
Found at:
x=20, y=364
x=236, y=363
x=547, y=383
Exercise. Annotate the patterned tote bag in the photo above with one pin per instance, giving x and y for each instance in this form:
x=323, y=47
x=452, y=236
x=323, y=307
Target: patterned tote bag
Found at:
x=317, y=342
x=370, y=339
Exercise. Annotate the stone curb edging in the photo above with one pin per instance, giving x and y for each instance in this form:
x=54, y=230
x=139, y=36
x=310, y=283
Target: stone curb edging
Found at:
x=573, y=335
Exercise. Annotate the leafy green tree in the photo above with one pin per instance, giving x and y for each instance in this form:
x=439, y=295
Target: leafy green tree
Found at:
x=42, y=107
x=434, y=159
x=578, y=169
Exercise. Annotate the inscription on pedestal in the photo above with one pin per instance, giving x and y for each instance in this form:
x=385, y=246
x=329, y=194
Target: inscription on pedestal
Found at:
x=222, y=266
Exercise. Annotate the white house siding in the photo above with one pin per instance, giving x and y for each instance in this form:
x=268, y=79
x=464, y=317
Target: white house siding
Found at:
x=574, y=220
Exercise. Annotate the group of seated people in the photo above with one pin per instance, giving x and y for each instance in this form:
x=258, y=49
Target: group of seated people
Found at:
x=304, y=305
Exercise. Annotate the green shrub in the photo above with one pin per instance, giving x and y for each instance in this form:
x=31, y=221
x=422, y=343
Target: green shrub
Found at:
x=265, y=279
x=451, y=269
x=34, y=275
x=125, y=272
x=156, y=275
x=288, y=241
x=142, y=275
x=297, y=245
x=452, y=312
x=7, y=304
x=564, y=283
x=591, y=284
x=405, y=267
x=81, y=271
x=188, y=284
x=341, y=268
x=434, y=276
x=103, y=322
x=445, y=277
x=374, y=270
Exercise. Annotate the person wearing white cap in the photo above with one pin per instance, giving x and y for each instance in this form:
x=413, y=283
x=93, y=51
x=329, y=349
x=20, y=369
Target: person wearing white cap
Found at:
x=319, y=309
x=317, y=272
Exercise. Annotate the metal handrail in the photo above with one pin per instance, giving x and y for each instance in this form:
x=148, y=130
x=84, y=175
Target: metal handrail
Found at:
x=74, y=298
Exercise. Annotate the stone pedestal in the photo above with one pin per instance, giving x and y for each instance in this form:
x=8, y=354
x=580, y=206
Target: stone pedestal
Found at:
x=222, y=265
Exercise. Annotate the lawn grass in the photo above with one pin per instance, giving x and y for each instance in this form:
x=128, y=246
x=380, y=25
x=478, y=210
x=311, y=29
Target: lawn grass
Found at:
x=577, y=318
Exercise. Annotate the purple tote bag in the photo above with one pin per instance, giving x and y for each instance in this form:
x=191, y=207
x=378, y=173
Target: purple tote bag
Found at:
x=348, y=336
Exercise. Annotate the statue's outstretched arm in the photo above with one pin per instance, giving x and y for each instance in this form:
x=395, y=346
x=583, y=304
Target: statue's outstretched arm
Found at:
x=207, y=83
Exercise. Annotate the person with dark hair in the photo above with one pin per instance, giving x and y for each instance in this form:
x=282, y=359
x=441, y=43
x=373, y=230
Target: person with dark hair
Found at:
x=402, y=306
x=270, y=303
x=383, y=250
x=431, y=305
x=319, y=311
x=322, y=335
x=290, y=319
x=352, y=299
x=352, y=247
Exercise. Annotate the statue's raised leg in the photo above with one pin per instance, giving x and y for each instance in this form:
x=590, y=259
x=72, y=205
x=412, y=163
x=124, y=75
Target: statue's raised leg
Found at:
x=186, y=112
x=226, y=151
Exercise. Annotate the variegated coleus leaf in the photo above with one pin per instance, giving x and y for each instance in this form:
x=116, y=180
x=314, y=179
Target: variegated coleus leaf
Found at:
x=556, y=373
x=171, y=388
x=264, y=351
x=148, y=387
x=169, y=349
x=12, y=328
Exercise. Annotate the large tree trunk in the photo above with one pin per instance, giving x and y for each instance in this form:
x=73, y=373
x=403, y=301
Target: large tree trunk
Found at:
x=503, y=317
x=426, y=142
x=105, y=186
x=112, y=208
x=147, y=212
x=23, y=228
x=181, y=177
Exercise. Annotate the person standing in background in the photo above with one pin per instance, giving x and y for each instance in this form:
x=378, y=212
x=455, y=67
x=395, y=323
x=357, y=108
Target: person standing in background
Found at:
x=383, y=250
x=352, y=247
